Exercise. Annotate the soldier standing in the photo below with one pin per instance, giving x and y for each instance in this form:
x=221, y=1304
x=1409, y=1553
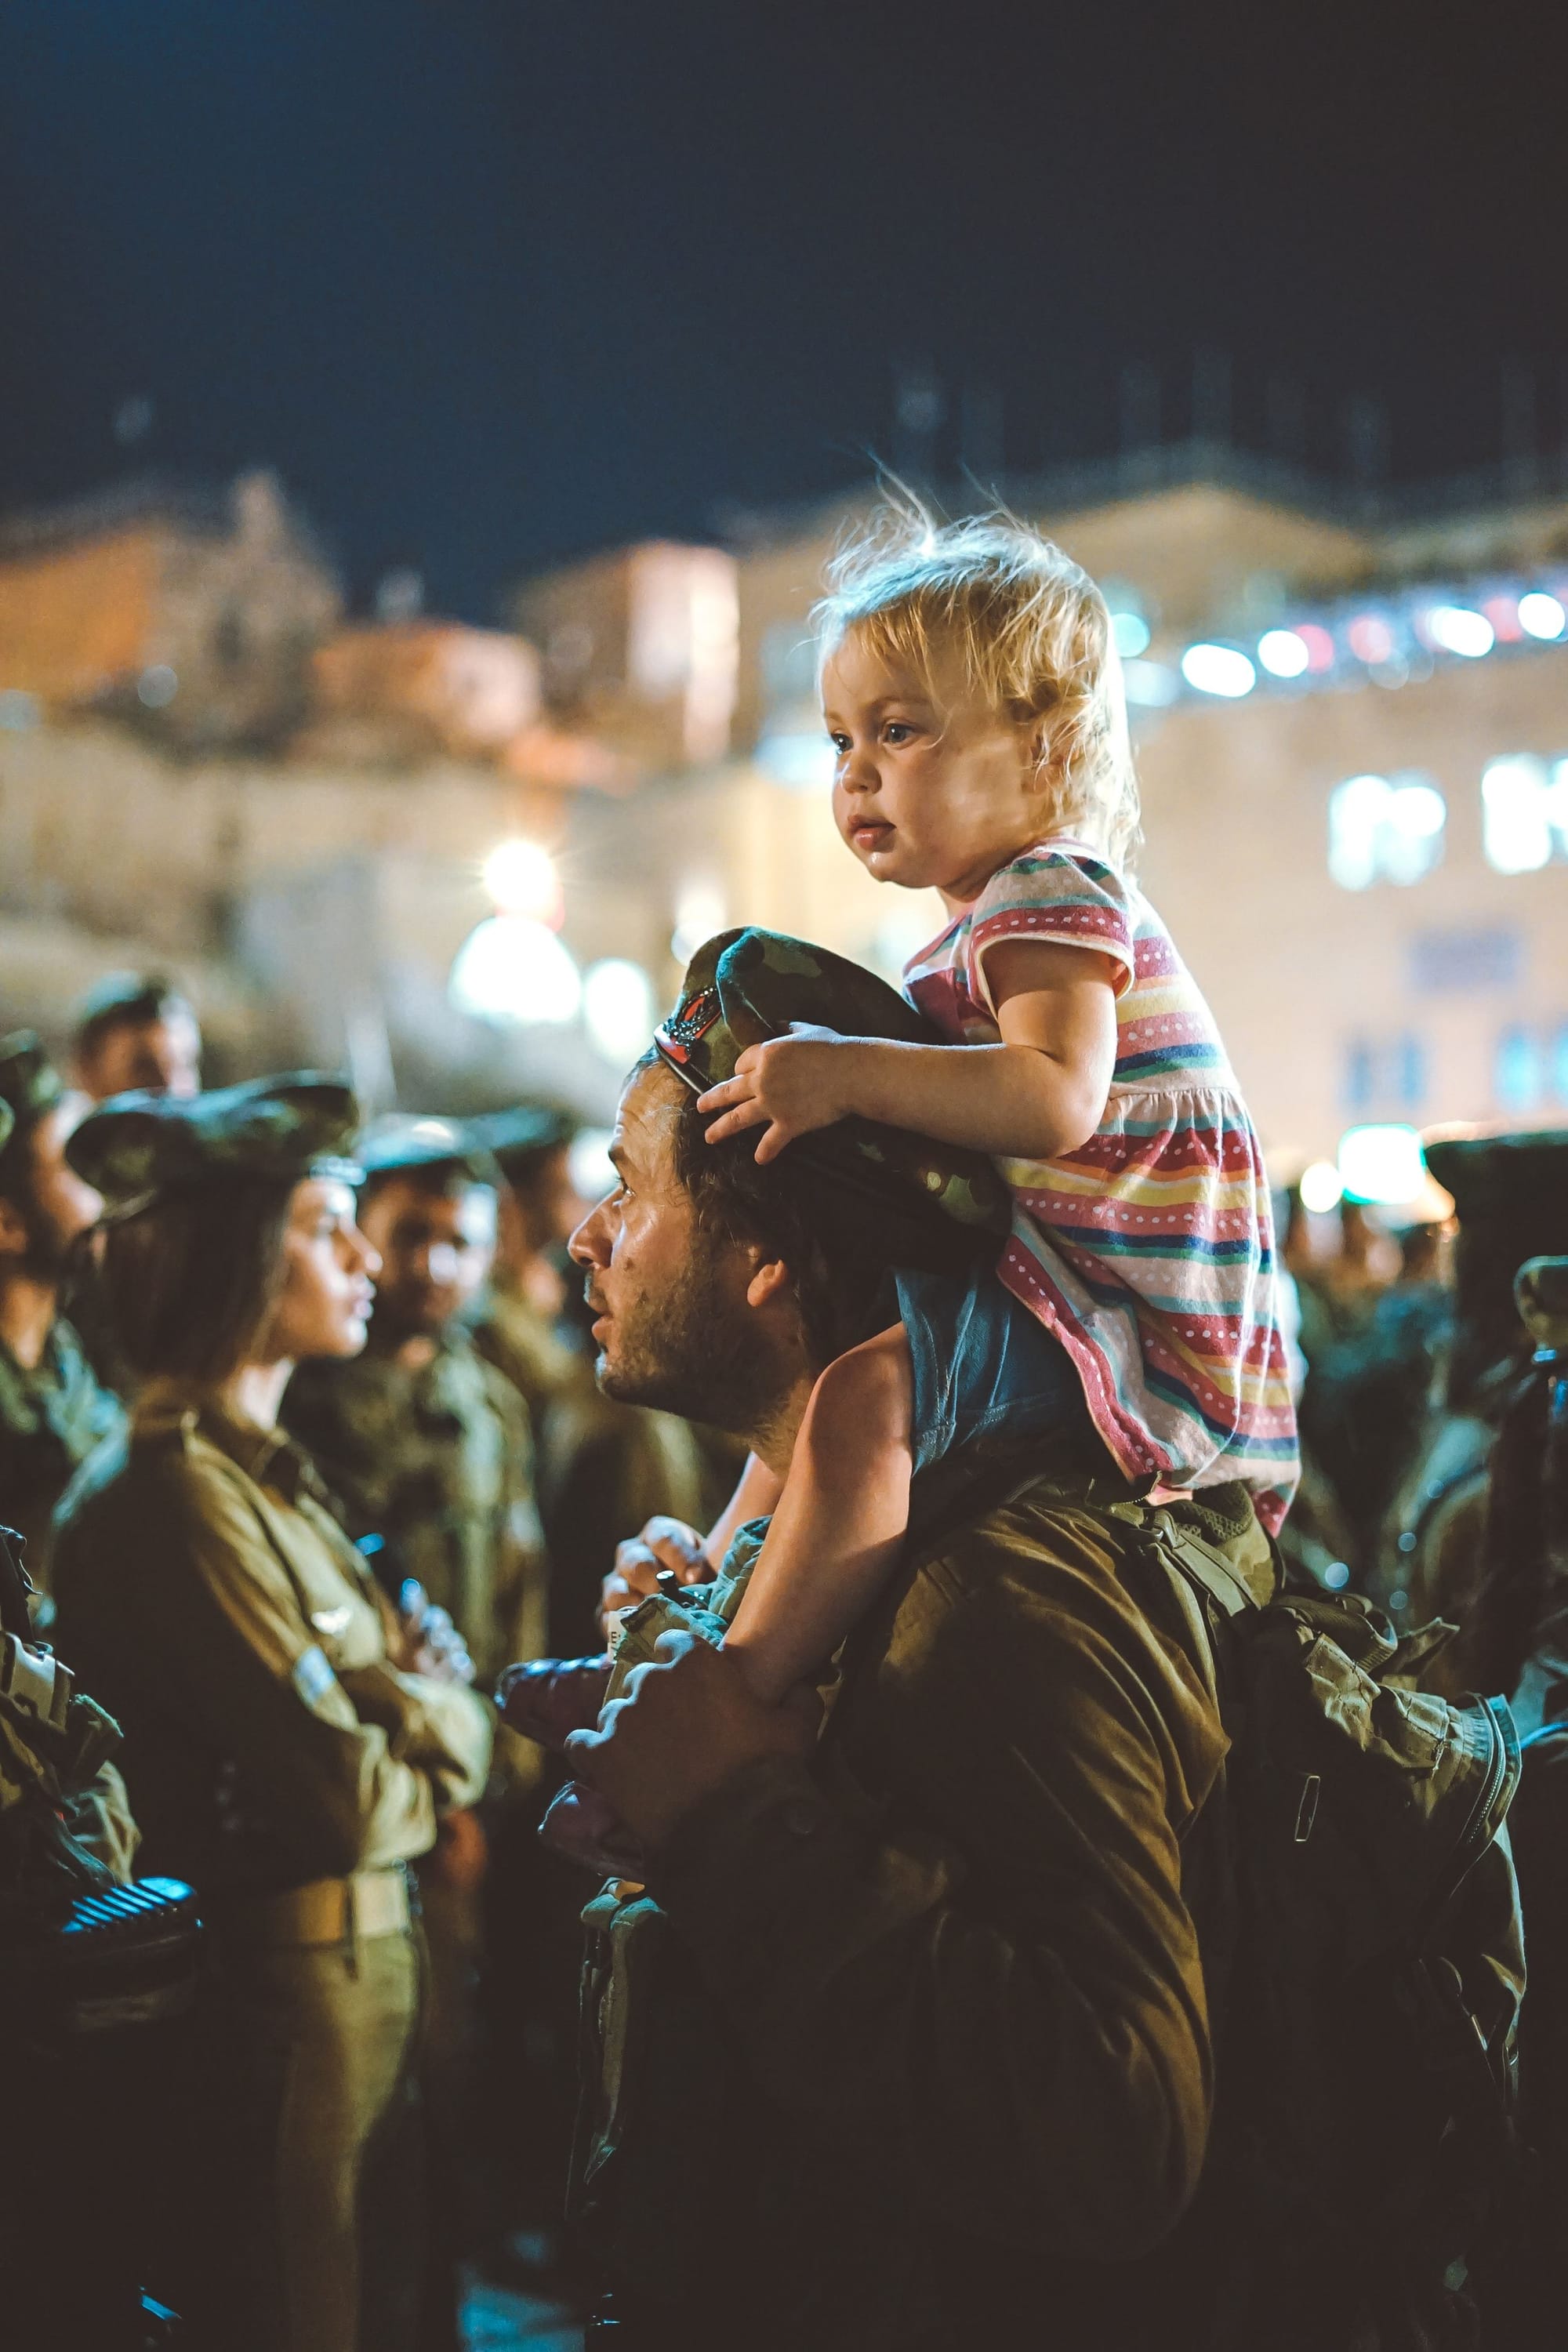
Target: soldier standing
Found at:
x=53, y=1409
x=288, y=1750
x=426, y=1447
x=1511, y=1193
x=516, y=1319
x=422, y=1442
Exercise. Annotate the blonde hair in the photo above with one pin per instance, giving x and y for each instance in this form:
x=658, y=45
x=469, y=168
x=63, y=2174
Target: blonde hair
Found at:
x=1031, y=630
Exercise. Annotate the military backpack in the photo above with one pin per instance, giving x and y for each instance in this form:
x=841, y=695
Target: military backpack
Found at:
x=1366, y=2073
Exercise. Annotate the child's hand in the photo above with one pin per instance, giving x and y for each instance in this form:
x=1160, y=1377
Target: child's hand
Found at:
x=786, y=1086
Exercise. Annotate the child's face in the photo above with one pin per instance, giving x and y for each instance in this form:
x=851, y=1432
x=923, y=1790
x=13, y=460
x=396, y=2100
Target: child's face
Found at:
x=932, y=788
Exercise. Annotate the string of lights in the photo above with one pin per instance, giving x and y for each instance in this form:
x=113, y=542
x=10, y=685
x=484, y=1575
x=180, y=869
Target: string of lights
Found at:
x=1393, y=640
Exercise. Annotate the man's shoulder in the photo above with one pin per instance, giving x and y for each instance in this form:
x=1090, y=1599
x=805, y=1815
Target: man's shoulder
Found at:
x=1035, y=1567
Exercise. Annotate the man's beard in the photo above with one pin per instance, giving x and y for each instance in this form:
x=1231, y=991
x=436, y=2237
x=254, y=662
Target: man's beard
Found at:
x=692, y=1354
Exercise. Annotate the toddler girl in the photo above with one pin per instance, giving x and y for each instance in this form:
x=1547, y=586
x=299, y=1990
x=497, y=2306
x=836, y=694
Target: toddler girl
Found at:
x=974, y=698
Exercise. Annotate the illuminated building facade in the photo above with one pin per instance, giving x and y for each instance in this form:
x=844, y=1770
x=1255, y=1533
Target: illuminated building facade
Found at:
x=1352, y=742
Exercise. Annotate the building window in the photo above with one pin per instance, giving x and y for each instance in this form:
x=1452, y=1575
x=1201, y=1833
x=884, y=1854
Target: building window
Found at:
x=1524, y=813
x=1384, y=829
x=1384, y=1075
x=1517, y=1080
x=1560, y=1064
x=1360, y=1084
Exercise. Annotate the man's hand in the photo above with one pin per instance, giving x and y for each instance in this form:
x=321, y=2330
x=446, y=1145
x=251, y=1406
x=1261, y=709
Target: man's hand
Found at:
x=428, y=1644
x=787, y=1086
x=688, y=1724
x=663, y=1543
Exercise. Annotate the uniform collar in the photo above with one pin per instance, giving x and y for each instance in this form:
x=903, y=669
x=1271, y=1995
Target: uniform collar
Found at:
x=269, y=1455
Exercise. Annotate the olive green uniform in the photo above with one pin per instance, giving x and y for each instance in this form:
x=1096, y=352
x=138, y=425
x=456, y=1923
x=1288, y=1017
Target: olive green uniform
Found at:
x=279, y=1762
x=436, y=1461
x=915, y=2042
x=51, y=1418
x=523, y=1346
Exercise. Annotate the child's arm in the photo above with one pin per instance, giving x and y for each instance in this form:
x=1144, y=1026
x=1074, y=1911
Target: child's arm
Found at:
x=1041, y=1093
x=755, y=1497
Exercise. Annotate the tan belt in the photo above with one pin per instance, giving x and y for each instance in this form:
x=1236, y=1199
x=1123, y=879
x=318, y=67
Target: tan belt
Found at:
x=322, y=1911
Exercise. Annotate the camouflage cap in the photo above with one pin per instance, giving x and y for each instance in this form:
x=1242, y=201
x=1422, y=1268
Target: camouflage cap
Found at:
x=744, y=987
x=402, y=1142
x=29, y=1083
x=521, y=1135
x=137, y=1148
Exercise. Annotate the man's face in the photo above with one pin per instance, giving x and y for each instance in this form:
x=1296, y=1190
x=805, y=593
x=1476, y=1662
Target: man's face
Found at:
x=37, y=1240
x=436, y=1240
x=159, y=1057
x=672, y=1322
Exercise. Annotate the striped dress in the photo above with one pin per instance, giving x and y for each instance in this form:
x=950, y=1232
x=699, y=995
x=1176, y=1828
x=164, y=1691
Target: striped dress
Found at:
x=1150, y=1252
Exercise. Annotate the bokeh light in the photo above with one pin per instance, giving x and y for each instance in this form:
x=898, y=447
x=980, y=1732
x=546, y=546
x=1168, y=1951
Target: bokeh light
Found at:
x=513, y=970
x=617, y=1008
x=521, y=876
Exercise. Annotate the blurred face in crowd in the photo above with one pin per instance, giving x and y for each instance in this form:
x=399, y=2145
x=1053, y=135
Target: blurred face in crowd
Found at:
x=685, y=1317
x=329, y=1277
x=435, y=1235
x=45, y=1207
x=540, y=1209
x=160, y=1057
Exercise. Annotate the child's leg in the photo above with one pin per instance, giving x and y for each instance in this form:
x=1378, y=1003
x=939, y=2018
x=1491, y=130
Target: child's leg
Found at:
x=839, y=1522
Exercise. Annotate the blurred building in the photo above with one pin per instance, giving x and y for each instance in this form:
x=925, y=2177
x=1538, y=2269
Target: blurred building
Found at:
x=471, y=861
x=203, y=767
x=1353, y=738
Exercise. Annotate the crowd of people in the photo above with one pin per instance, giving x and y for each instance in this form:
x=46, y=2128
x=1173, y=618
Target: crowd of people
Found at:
x=1011, y=1666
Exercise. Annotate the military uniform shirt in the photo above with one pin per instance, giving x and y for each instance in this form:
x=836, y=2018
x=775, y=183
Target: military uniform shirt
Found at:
x=438, y=1461
x=51, y=1419
x=208, y=1597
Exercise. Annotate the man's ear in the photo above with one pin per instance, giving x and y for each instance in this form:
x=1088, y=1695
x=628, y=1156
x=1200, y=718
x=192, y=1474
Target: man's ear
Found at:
x=769, y=1281
x=14, y=1238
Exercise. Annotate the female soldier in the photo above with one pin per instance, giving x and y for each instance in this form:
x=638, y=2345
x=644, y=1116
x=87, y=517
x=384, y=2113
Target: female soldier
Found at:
x=286, y=1752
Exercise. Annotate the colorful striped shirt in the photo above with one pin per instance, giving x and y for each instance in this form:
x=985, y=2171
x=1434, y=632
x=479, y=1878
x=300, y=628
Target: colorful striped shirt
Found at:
x=1149, y=1252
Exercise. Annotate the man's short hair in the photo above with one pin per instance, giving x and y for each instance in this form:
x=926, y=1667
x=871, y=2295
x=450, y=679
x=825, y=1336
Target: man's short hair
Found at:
x=128, y=1000
x=834, y=1243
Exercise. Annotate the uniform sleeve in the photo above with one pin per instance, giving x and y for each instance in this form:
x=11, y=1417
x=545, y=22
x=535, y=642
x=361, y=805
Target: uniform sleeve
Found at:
x=237, y=1647
x=523, y=1590
x=1070, y=899
x=1021, y=1997
x=99, y=1818
x=443, y=1728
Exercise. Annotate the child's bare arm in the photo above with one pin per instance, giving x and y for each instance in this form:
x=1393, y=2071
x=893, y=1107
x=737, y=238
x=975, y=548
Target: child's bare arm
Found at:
x=1041, y=1092
x=755, y=1497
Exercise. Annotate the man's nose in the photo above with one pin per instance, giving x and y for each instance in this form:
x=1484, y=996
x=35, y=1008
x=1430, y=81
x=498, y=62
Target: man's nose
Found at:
x=588, y=1245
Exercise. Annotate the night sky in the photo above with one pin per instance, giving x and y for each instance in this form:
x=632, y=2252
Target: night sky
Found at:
x=492, y=282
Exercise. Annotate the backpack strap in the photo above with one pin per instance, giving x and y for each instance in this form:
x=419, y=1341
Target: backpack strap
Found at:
x=1201, y=1563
